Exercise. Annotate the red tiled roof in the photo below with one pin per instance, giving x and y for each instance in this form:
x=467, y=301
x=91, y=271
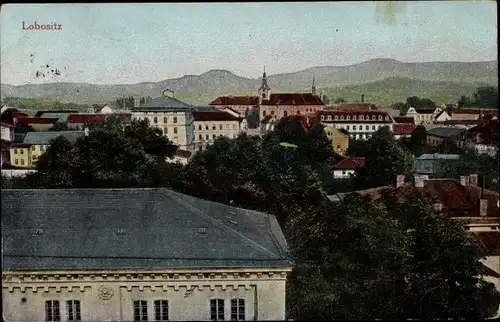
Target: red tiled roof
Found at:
x=403, y=129
x=460, y=122
x=37, y=120
x=356, y=106
x=350, y=163
x=489, y=240
x=293, y=99
x=367, y=116
x=19, y=114
x=457, y=200
x=90, y=118
x=404, y=119
x=6, y=124
x=236, y=100
x=214, y=116
x=464, y=110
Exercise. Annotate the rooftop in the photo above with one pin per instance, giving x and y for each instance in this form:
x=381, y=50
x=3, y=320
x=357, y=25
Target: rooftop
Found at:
x=45, y=138
x=438, y=156
x=293, y=99
x=349, y=163
x=445, y=132
x=131, y=229
x=236, y=100
x=214, y=116
x=163, y=102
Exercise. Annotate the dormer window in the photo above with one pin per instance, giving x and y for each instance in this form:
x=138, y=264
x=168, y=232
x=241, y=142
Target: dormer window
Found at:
x=387, y=118
x=373, y=117
x=361, y=117
x=354, y=117
x=322, y=117
x=342, y=117
x=380, y=118
x=348, y=117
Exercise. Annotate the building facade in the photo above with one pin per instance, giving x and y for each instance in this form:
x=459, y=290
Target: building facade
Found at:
x=173, y=117
x=241, y=104
x=423, y=115
x=191, y=260
x=208, y=126
x=339, y=138
x=359, y=124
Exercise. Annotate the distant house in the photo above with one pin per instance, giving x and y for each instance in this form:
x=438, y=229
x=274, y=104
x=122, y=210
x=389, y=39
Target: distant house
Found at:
x=173, y=117
x=240, y=104
x=401, y=130
x=208, y=126
x=347, y=167
x=442, y=117
x=463, y=124
x=423, y=115
x=474, y=113
x=37, y=123
x=7, y=132
x=359, y=124
x=431, y=164
x=35, y=144
x=339, y=138
x=267, y=124
x=100, y=109
x=138, y=255
x=181, y=156
x=438, y=135
x=483, y=137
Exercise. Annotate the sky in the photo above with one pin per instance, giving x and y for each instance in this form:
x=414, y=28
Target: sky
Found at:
x=133, y=43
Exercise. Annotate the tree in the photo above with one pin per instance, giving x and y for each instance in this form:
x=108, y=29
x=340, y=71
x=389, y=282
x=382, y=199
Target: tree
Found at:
x=384, y=160
x=486, y=97
x=417, y=143
x=400, y=106
x=143, y=100
x=112, y=155
x=339, y=100
x=418, y=102
x=357, y=148
x=253, y=118
x=464, y=101
x=325, y=100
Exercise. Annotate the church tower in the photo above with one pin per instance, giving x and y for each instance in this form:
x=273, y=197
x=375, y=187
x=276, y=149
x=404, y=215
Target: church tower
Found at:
x=313, y=89
x=264, y=90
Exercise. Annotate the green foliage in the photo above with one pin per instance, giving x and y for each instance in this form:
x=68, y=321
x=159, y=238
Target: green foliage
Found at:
x=325, y=99
x=385, y=159
x=253, y=118
x=339, y=100
x=417, y=102
x=125, y=102
x=484, y=97
x=112, y=155
x=39, y=104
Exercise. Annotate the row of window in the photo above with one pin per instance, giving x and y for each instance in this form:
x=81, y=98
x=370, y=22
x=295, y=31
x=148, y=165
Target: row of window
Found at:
x=165, y=119
x=354, y=117
x=140, y=308
x=214, y=136
x=360, y=128
x=214, y=127
x=33, y=148
x=165, y=130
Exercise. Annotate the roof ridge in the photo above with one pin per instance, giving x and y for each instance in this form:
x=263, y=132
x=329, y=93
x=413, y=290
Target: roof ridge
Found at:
x=197, y=212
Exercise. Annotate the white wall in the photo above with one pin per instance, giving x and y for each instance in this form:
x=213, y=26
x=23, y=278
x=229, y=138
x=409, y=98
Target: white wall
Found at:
x=264, y=296
x=9, y=173
x=343, y=173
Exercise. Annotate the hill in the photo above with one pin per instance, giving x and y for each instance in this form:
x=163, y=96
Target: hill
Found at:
x=201, y=89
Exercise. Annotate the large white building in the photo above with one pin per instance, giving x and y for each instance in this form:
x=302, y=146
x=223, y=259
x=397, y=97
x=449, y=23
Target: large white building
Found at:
x=358, y=123
x=138, y=255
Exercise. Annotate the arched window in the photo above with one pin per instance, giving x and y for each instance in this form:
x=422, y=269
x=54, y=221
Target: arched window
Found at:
x=155, y=120
x=285, y=113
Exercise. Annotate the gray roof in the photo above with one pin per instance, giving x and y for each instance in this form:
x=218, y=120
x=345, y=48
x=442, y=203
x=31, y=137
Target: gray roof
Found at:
x=337, y=197
x=444, y=131
x=162, y=102
x=46, y=137
x=438, y=156
x=160, y=230
x=63, y=117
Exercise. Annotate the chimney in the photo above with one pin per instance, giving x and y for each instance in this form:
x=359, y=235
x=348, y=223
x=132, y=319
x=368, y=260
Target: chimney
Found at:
x=474, y=179
x=362, y=98
x=438, y=206
x=419, y=180
x=400, y=181
x=483, y=207
x=463, y=180
x=86, y=131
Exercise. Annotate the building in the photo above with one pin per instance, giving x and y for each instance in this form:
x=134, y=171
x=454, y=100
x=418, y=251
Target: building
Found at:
x=464, y=124
x=39, y=142
x=81, y=120
x=100, y=109
x=181, y=156
x=346, y=167
x=339, y=138
x=483, y=137
x=20, y=155
x=240, y=104
x=432, y=164
x=208, y=126
x=7, y=131
x=37, y=123
x=438, y=135
x=442, y=117
x=401, y=130
x=138, y=254
x=173, y=117
x=423, y=115
x=404, y=119
x=359, y=124
x=279, y=105
x=474, y=113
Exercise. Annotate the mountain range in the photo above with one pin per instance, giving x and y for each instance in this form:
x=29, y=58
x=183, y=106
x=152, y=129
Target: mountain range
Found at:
x=196, y=88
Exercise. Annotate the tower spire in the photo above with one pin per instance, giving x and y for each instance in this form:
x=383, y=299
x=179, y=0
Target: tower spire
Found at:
x=313, y=89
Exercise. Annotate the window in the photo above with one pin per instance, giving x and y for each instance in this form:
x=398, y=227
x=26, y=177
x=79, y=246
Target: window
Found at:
x=354, y=127
x=343, y=172
x=73, y=310
x=140, y=311
x=348, y=117
x=175, y=130
x=22, y=161
x=373, y=127
x=373, y=117
x=285, y=113
x=272, y=112
x=336, y=117
x=175, y=119
x=199, y=127
x=161, y=310
x=16, y=161
x=21, y=151
x=347, y=127
x=214, y=127
x=322, y=117
x=42, y=148
x=217, y=310
x=380, y=118
x=298, y=112
x=213, y=137
x=33, y=148
x=206, y=127
x=155, y=120
x=200, y=137
x=264, y=113
x=237, y=310
x=207, y=137
x=52, y=311
x=330, y=117
x=361, y=117
x=220, y=127
x=165, y=119
x=367, y=127
x=342, y=117
x=338, y=146
x=165, y=130
x=234, y=126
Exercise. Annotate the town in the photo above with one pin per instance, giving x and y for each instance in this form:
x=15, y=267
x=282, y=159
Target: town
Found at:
x=277, y=205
